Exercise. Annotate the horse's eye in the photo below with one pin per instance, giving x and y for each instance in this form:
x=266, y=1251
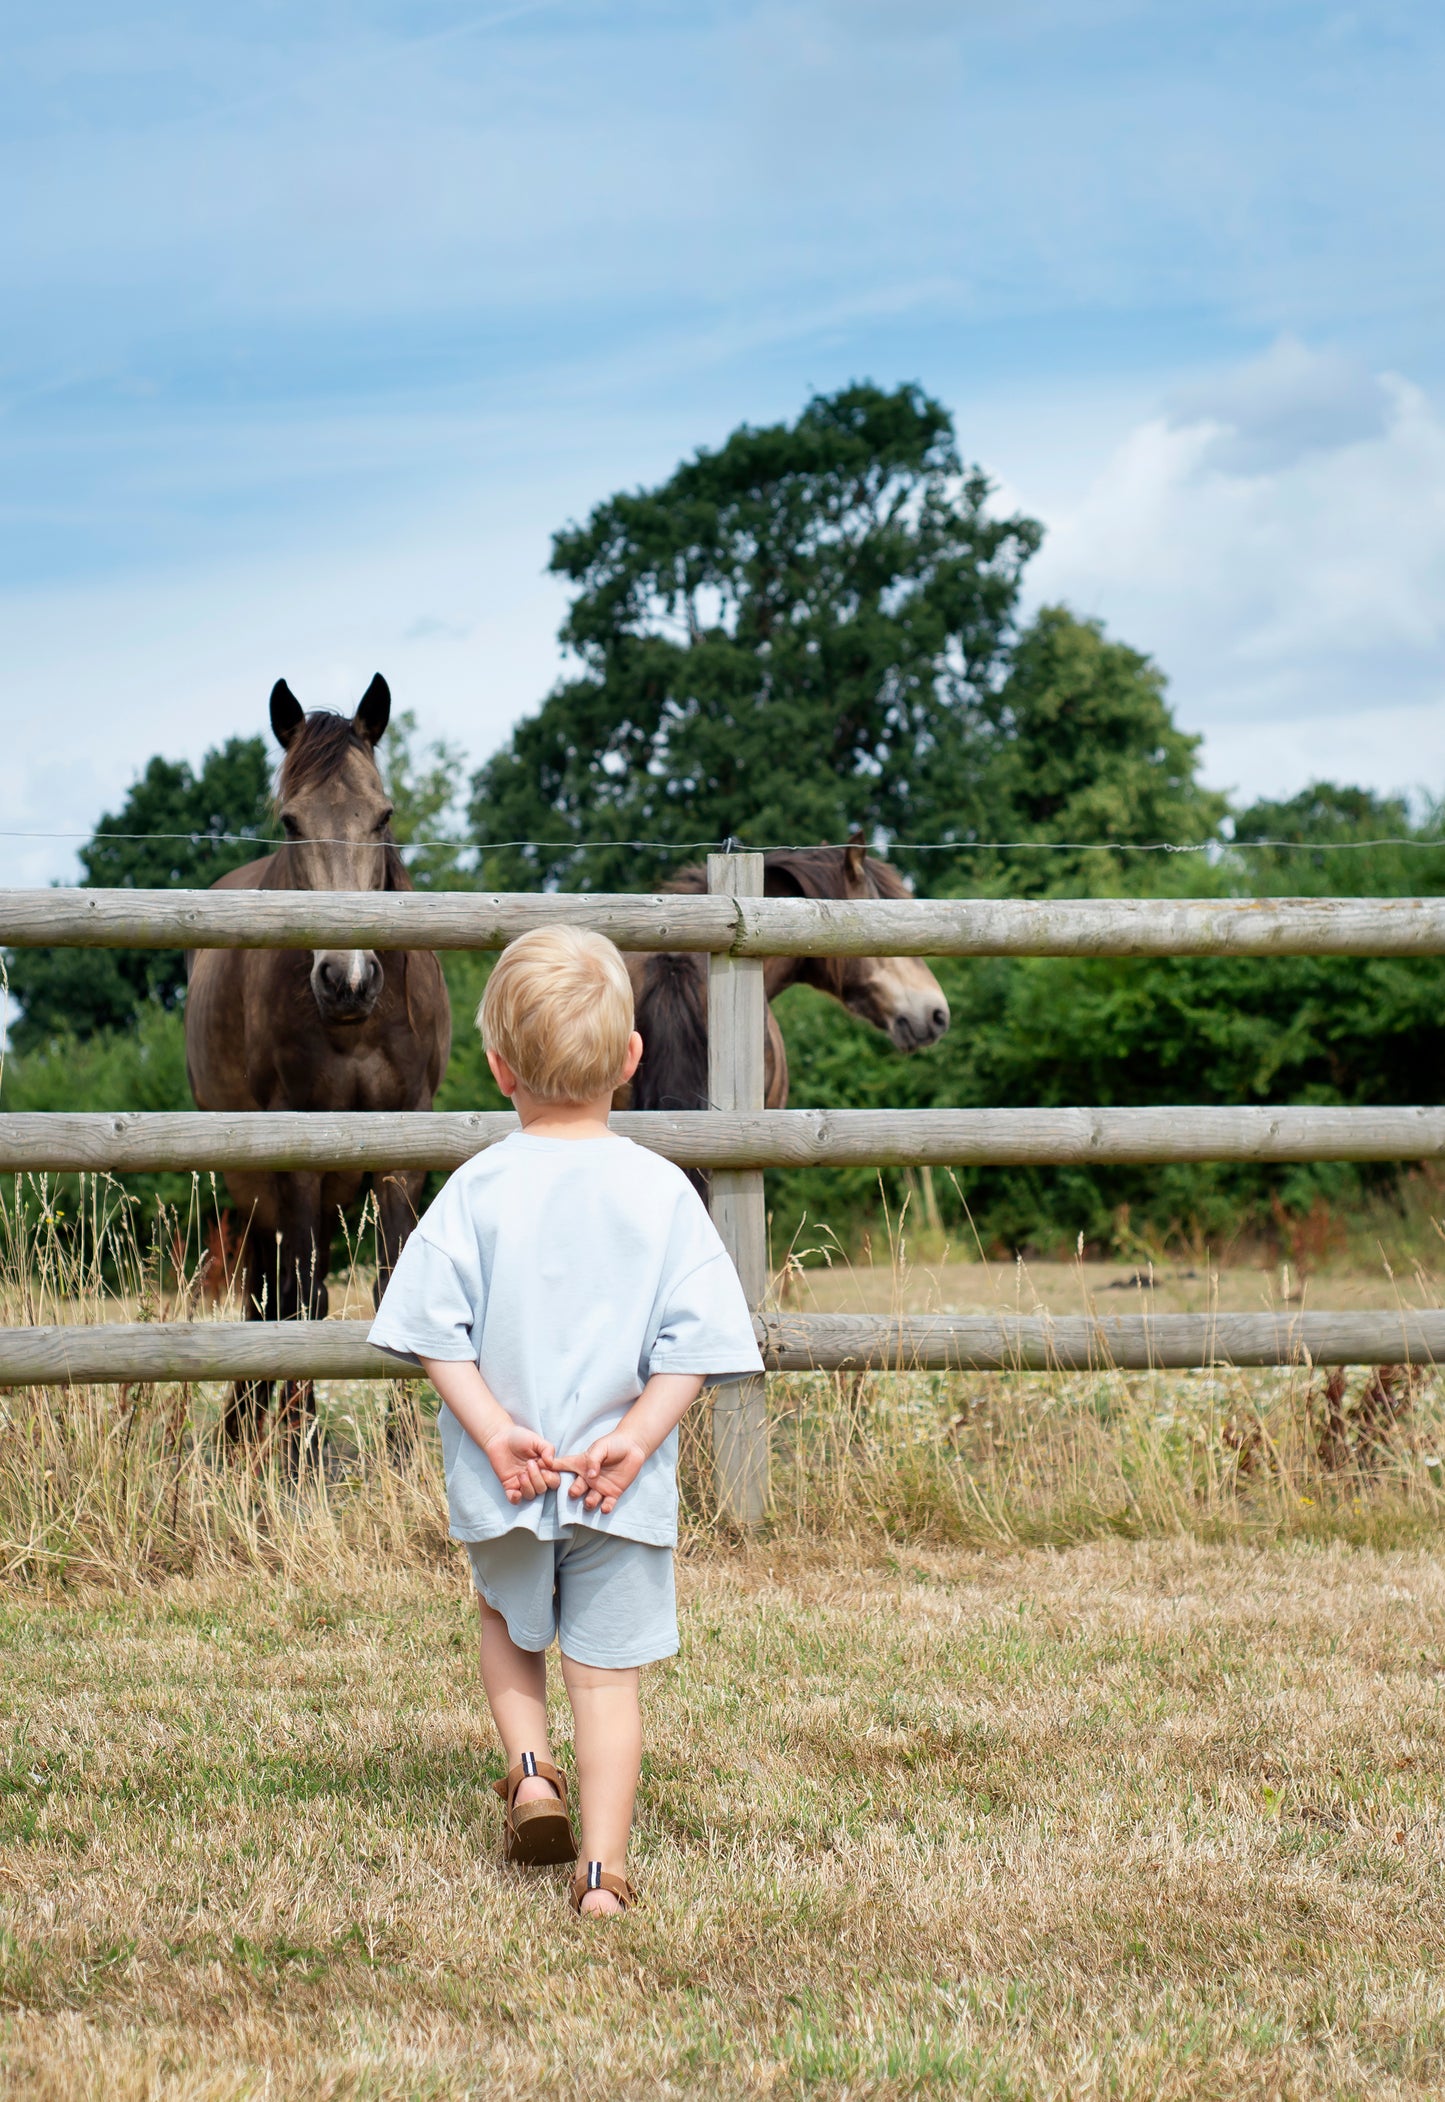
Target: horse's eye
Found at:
x=289, y=825
x=384, y=820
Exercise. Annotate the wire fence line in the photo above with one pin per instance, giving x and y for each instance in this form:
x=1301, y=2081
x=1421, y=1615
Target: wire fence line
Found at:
x=696, y=846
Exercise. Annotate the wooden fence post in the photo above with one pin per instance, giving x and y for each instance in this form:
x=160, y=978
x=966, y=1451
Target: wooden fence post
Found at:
x=736, y=1038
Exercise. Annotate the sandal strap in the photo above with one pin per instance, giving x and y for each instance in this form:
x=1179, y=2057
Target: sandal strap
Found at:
x=530, y=1768
x=593, y=1876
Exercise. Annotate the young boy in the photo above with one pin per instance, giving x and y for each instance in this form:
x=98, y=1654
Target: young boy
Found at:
x=568, y=1297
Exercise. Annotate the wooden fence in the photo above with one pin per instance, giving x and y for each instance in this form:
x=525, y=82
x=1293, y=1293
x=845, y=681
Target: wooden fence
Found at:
x=140, y=1142
x=737, y=927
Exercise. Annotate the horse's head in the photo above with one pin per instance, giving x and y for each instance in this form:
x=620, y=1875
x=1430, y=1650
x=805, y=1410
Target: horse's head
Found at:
x=337, y=819
x=897, y=994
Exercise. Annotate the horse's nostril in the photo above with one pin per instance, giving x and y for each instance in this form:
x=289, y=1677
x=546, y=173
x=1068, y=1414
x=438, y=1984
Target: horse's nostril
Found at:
x=940, y=1019
x=348, y=985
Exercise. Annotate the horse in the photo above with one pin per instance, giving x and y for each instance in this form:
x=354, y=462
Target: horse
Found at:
x=279, y=1029
x=897, y=994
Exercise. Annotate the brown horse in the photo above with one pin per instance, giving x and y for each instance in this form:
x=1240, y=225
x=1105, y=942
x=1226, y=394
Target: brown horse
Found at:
x=276, y=1029
x=897, y=994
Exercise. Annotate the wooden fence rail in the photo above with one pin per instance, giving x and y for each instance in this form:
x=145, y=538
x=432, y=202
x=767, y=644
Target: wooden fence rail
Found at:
x=114, y=1353
x=141, y=1142
x=741, y=926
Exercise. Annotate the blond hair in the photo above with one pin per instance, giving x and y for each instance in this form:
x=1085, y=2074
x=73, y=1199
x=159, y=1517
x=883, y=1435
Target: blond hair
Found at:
x=558, y=1009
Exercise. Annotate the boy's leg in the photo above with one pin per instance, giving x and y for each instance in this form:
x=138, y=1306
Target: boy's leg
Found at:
x=615, y=1605
x=515, y=1683
x=607, y=1719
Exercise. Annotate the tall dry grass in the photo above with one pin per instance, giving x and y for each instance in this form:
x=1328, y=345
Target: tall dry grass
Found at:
x=118, y=1484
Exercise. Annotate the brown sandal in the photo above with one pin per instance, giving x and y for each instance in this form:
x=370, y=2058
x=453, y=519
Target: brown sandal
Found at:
x=593, y=1876
x=540, y=1832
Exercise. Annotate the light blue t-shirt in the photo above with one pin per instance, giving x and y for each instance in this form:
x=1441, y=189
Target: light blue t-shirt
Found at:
x=569, y=1271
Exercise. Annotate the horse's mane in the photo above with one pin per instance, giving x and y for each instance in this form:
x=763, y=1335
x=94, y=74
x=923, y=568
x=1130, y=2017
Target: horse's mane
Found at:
x=314, y=755
x=671, y=1012
x=809, y=872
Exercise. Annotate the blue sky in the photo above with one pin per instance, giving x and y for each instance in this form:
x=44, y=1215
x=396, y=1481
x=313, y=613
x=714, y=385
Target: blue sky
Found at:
x=320, y=319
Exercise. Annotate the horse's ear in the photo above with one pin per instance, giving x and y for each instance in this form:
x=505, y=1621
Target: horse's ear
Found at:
x=855, y=857
x=287, y=714
x=374, y=714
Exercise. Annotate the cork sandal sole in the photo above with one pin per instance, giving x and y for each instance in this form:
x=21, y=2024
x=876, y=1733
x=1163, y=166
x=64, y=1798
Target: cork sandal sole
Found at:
x=537, y=1834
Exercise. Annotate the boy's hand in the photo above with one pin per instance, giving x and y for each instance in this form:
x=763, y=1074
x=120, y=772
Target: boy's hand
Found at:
x=608, y=1466
x=523, y=1462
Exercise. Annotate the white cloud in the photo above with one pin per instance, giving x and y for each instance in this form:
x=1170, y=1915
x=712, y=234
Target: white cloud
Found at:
x=1273, y=410
x=1277, y=544
x=1387, y=749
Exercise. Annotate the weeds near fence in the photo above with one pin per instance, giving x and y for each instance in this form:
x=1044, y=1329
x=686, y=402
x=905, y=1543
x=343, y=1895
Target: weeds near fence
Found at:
x=118, y=1484
x=1020, y=1459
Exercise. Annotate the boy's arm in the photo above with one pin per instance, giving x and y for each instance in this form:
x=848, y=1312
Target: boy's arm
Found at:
x=522, y=1461
x=613, y=1463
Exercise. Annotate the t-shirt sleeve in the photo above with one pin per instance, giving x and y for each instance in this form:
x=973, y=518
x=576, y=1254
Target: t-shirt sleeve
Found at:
x=704, y=1324
x=426, y=1310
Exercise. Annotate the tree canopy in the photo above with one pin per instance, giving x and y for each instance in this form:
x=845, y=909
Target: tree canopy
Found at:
x=185, y=819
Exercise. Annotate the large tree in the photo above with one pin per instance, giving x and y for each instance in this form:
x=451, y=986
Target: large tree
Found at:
x=176, y=827
x=781, y=642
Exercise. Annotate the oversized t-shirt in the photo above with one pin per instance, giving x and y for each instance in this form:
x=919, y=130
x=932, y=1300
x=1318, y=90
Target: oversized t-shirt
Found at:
x=568, y=1271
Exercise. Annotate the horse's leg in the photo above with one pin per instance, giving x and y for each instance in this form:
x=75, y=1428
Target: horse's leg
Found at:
x=398, y=1197
x=249, y=1399
x=301, y=1295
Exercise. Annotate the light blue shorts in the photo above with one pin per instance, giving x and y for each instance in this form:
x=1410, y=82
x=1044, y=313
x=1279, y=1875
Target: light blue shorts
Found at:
x=609, y=1602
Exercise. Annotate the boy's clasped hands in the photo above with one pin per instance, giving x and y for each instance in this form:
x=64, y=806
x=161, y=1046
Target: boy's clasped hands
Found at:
x=526, y=1466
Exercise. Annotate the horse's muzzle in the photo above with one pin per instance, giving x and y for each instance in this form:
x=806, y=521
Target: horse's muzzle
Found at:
x=921, y=1022
x=346, y=983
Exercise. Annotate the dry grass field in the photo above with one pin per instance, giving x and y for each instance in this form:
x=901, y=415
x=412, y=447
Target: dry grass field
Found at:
x=1150, y=1818
x=1268, y=1285
x=1059, y=1736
